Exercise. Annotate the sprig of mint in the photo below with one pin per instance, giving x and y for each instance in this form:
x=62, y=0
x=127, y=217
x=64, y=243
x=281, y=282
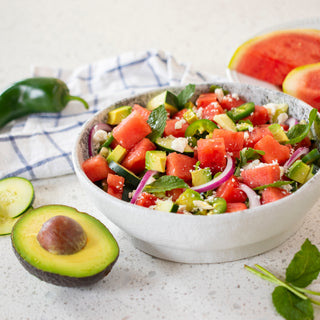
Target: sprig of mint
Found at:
x=247, y=154
x=157, y=121
x=290, y=298
x=165, y=183
x=185, y=95
x=299, y=131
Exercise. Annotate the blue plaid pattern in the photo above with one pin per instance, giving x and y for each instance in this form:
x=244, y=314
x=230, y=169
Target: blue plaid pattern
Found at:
x=40, y=145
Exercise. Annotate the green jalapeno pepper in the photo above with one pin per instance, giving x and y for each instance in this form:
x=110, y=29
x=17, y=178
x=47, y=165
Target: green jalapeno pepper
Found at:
x=34, y=95
x=242, y=111
x=219, y=205
x=200, y=128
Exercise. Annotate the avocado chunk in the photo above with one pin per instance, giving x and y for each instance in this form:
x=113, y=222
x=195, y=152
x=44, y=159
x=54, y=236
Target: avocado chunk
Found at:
x=65, y=247
x=117, y=154
x=156, y=160
x=298, y=171
x=117, y=115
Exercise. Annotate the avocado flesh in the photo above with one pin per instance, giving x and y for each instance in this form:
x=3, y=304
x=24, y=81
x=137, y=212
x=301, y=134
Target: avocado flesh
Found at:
x=85, y=267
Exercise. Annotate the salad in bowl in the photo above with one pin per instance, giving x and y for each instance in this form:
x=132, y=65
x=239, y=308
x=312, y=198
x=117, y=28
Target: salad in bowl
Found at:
x=225, y=155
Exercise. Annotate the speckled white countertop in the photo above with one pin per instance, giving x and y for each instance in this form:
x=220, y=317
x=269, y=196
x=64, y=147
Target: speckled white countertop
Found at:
x=69, y=33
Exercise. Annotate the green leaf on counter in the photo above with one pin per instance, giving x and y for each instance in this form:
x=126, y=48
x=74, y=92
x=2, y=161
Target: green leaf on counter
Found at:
x=290, y=298
x=305, y=266
x=157, y=121
x=165, y=183
x=291, y=307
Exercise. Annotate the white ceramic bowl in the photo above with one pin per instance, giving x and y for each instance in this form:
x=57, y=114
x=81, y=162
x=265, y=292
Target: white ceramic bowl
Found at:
x=203, y=239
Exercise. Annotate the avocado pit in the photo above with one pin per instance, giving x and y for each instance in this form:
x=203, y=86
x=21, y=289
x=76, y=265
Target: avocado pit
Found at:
x=62, y=235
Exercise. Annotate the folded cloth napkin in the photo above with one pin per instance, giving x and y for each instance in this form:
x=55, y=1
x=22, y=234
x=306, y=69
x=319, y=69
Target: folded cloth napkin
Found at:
x=40, y=145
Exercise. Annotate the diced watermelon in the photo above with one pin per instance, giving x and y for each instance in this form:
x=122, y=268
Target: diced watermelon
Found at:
x=271, y=194
x=131, y=130
x=135, y=158
x=230, y=191
x=115, y=185
x=261, y=175
x=228, y=102
x=235, y=206
x=180, y=165
x=259, y=116
x=146, y=200
x=212, y=154
x=96, y=168
x=256, y=134
x=175, y=129
x=274, y=151
x=205, y=99
x=174, y=193
x=233, y=140
x=211, y=110
x=179, y=114
x=145, y=113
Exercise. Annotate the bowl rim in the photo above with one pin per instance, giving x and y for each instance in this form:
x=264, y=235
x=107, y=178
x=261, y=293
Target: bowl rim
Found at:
x=142, y=210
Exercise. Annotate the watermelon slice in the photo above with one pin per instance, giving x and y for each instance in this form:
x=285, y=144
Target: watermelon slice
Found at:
x=304, y=83
x=270, y=57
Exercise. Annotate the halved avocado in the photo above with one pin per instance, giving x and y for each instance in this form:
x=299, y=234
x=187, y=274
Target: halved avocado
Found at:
x=91, y=261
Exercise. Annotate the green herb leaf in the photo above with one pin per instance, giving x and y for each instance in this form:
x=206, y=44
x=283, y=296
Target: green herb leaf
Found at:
x=247, y=154
x=298, y=132
x=157, y=121
x=276, y=184
x=305, y=265
x=290, y=306
x=165, y=183
x=184, y=96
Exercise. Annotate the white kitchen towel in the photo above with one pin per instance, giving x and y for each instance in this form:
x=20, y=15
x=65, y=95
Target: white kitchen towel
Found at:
x=40, y=145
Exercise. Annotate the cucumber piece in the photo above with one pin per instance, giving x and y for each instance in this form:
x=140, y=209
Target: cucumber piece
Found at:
x=128, y=175
x=166, y=206
x=278, y=132
x=312, y=156
x=225, y=122
x=167, y=144
x=6, y=224
x=167, y=98
x=16, y=196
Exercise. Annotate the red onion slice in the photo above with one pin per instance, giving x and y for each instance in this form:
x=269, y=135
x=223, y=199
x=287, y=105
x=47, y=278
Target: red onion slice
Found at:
x=296, y=155
x=142, y=184
x=216, y=182
x=94, y=129
x=291, y=122
x=254, y=199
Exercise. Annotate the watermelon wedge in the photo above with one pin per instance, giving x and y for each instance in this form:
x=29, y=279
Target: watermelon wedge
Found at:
x=270, y=57
x=304, y=83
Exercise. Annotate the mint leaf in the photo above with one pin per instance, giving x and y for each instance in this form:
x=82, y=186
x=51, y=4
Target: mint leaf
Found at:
x=247, y=154
x=298, y=132
x=291, y=307
x=165, y=183
x=157, y=121
x=276, y=184
x=305, y=265
x=184, y=96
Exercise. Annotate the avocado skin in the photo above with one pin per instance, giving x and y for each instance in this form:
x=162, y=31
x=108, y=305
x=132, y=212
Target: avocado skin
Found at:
x=64, y=281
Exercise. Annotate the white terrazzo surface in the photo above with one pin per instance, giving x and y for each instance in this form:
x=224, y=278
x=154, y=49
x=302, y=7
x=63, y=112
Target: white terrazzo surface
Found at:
x=69, y=33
